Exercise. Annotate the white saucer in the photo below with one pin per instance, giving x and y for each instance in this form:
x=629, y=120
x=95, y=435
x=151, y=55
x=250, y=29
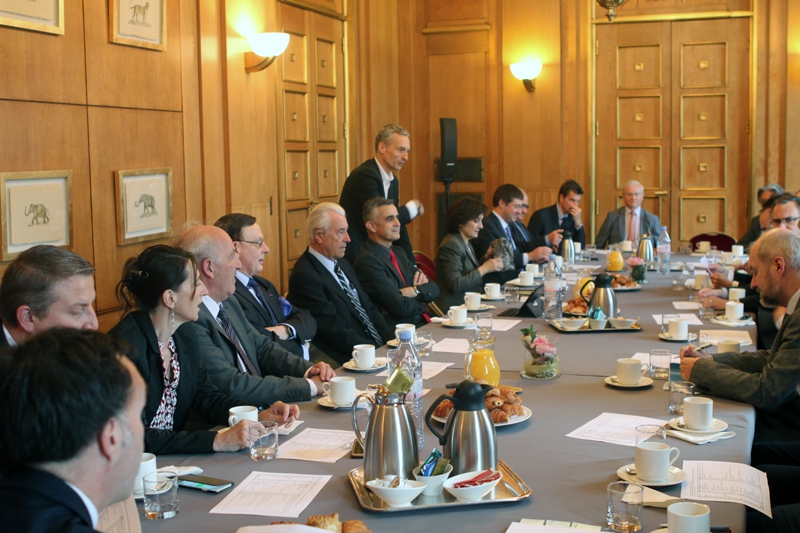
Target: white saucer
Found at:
x=380, y=363
x=715, y=427
x=487, y=299
x=138, y=495
x=733, y=323
x=643, y=382
x=395, y=343
x=676, y=475
x=518, y=283
x=666, y=337
x=662, y=530
x=325, y=401
x=483, y=307
x=469, y=324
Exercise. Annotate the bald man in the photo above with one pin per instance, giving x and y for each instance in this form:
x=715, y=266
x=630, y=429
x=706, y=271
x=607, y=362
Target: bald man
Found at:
x=618, y=226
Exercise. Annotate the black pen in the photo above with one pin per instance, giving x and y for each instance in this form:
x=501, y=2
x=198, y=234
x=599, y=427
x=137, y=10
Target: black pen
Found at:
x=713, y=529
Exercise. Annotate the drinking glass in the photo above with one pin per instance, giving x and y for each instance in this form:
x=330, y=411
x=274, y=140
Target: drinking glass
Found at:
x=678, y=390
x=650, y=433
x=483, y=322
x=659, y=363
x=424, y=343
x=591, y=252
x=624, y=511
x=511, y=294
x=265, y=447
x=706, y=311
x=160, y=495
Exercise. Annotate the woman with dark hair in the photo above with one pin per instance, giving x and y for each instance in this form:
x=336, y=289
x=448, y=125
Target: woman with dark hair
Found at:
x=162, y=284
x=458, y=270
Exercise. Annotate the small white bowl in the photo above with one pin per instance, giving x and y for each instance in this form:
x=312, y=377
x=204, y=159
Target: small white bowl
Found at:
x=622, y=323
x=572, y=324
x=597, y=324
x=398, y=496
x=470, y=494
x=433, y=484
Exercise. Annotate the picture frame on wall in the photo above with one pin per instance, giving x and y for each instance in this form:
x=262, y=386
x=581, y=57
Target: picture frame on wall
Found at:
x=140, y=23
x=144, y=204
x=46, y=16
x=36, y=209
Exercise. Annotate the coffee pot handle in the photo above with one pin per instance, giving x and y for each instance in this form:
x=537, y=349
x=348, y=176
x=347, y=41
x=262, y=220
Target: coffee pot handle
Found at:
x=369, y=398
x=429, y=414
x=581, y=291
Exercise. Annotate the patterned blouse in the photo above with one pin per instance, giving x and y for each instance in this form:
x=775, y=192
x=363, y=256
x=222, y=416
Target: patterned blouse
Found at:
x=165, y=416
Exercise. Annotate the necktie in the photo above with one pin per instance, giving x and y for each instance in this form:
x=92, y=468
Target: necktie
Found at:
x=563, y=222
x=510, y=238
x=362, y=314
x=225, y=322
x=262, y=299
x=425, y=315
x=632, y=227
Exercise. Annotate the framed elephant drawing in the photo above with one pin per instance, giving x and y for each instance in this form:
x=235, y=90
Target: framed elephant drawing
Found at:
x=144, y=204
x=36, y=208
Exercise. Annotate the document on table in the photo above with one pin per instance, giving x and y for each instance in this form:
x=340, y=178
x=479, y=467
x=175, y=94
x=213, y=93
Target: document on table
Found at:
x=429, y=368
x=613, y=428
x=691, y=319
x=718, y=481
x=716, y=335
x=122, y=517
x=504, y=325
x=272, y=494
x=452, y=346
x=547, y=526
x=318, y=445
x=686, y=306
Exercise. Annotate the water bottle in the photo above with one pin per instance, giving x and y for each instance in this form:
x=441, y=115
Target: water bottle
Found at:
x=552, y=290
x=408, y=358
x=663, y=250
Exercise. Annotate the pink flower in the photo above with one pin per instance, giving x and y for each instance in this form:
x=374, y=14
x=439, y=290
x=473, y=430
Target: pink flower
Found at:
x=635, y=261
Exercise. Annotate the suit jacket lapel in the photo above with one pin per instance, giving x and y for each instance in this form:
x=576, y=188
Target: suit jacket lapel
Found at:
x=621, y=223
x=247, y=295
x=465, y=247
x=333, y=285
x=205, y=312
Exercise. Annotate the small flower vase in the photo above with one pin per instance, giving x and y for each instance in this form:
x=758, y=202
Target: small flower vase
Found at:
x=639, y=273
x=539, y=367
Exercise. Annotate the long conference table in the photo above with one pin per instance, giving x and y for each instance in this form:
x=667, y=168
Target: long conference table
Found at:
x=568, y=477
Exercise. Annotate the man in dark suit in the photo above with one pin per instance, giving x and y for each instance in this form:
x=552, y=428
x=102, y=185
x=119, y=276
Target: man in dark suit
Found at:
x=507, y=202
x=388, y=275
x=618, y=226
x=565, y=215
x=323, y=282
x=46, y=287
x=766, y=379
x=77, y=448
x=375, y=178
x=268, y=311
x=241, y=362
x=765, y=193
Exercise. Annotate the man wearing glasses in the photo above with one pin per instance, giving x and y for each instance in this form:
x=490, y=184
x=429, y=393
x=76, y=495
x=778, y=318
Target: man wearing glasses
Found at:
x=268, y=311
x=629, y=222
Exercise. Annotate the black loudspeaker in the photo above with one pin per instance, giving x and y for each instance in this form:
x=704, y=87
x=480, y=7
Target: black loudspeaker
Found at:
x=447, y=162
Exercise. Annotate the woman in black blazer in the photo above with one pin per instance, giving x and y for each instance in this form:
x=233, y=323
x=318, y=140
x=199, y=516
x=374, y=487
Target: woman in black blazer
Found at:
x=163, y=284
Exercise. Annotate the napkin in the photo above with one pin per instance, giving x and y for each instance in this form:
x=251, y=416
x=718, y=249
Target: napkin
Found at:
x=732, y=323
x=653, y=498
x=287, y=430
x=701, y=439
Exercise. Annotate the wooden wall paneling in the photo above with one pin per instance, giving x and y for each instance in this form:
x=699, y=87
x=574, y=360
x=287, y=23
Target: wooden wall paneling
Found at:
x=450, y=12
x=792, y=121
x=384, y=72
x=190, y=104
x=666, y=7
x=758, y=98
x=38, y=136
x=127, y=76
x=124, y=139
x=776, y=92
x=42, y=66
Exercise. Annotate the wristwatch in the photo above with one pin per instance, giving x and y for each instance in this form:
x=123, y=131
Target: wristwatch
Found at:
x=416, y=289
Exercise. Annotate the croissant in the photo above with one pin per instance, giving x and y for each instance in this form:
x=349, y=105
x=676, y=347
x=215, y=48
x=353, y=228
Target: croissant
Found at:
x=512, y=409
x=493, y=402
x=443, y=409
x=328, y=523
x=355, y=526
x=498, y=416
x=508, y=395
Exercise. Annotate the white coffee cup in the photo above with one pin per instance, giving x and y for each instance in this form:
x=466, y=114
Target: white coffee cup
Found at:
x=734, y=310
x=678, y=328
x=147, y=465
x=653, y=460
x=737, y=250
x=341, y=390
x=698, y=412
x=559, y=261
x=404, y=327
x=627, y=246
x=492, y=290
x=364, y=356
x=533, y=268
x=701, y=279
x=457, y=315
x=629, y=371
x=729, y=346
x=577, y=247
x=735, y=295
x=472, y=300
x=526, y=278
x=703, y=246
x=727, y=258
x=688, y=517
x=242, y=412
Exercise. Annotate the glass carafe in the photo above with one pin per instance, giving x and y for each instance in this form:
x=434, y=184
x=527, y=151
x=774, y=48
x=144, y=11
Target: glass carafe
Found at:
x=480, y=363
x=615, y=261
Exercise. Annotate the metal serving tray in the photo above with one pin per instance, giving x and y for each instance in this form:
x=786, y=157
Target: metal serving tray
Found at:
x=510, y=489
x=585, y=328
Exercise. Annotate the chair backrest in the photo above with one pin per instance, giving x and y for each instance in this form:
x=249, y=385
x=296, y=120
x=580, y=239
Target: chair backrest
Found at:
x=421, y=258
x=722, y=241
x=428, y=271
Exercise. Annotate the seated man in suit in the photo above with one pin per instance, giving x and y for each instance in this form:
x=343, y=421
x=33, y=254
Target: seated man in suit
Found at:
x=77, y=448
x=388, y=275
x=565, y=215
x=767, y=379
x=261, y=302
x=45, y=287
x=323, y=282
x=770, y=190
x=507, y=202
x=375, y=178
x=241, y=362
x=630, y=222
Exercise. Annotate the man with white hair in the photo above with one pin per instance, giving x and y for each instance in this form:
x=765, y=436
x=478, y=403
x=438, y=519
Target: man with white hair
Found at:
x=767, y=379
x=325, y=284
x=629, y=222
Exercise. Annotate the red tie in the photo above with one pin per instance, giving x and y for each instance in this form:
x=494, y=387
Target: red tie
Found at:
x=632, y=227
x=425, y=315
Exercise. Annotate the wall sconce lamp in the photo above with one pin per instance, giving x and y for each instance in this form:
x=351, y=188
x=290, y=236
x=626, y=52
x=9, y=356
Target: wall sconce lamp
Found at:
x=527, y=72
x=266, y=47
x=611, y=5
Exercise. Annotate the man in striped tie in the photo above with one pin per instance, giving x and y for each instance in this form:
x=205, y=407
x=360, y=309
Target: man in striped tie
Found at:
x=325, y=284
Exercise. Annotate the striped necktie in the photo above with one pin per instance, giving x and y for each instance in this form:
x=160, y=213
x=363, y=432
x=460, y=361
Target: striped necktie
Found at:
x=225, y=322
x=351, y=293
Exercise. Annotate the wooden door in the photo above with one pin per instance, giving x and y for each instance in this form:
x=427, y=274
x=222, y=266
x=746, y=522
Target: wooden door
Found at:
x=312, y=140
x=672, y=112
